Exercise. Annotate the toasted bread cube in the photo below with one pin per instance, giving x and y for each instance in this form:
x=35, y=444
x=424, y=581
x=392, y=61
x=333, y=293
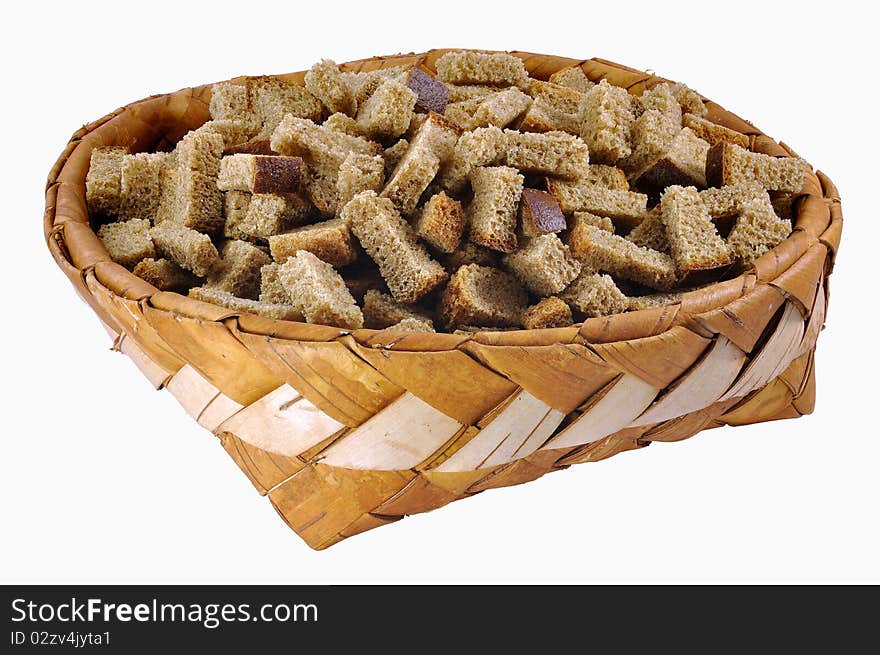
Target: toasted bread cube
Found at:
x=757, y=230
x=544, y=265
x=344, y=123
x=479, y=295
x=662, y=98
x=272, y=99
x=606, y=114
x=326, y=83
x=411, y=177
x=542, y=116
x=462, y=113
x=388, y=111
x=239, y=270
x=413, y=325
x=693, y=240
x=592, y=294
x=200, y=152
x=561, y=98
x=650, y=233
x=572, y=77
x=691, y=102
x=610, y=177
x=191, y=199
x=431, y=94
x=603, y=251
x=279, y=312
x=260, y=174
x=727, y=164
x=382, y=311
x=554, y=153
x=271, y=289
x=436, y=133
x=441, y=222
x=501, y=109
x=330, y=241
x=251, y=147
x=683, y=164
x=550, y=312
x=579, y=219
x=318, y=291
x=713, y=133
x=539, y=213
x=359, y=173
x=186, y=247
x=463, y=92
x=652, y=135
x=141, y=184
x=467, y=67
x=104, y=180
x=493, y=211
x=234, y=132
x=127, y=242
x=482, y=147
x=165, y=275
x=235, y=208
x=393, y=154
x=403, y=262
x=229, y=101
x=627, y=207
x=471, y=253
x=363, y=84
x=726, y=201
x=270, y=214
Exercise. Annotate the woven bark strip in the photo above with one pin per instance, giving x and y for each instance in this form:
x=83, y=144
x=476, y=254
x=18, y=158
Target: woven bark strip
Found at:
x=348, y=431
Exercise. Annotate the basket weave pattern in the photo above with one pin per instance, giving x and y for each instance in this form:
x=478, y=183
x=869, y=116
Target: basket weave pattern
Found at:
x=349, y=430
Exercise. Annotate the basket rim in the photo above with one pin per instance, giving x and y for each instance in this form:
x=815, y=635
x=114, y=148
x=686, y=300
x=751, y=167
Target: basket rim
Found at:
x=78, y=251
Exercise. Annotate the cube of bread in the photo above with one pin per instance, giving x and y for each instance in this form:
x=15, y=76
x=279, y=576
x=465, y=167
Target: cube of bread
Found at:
x=549, y=312
x=251, y=147
x=271, y=289
x=260, y=174
x=345, y=124
x=415, y=124
x=650, y=233
x=104, y=179
x=393, y=154
x=441, y=222
x=610, y=177
x=572, y=77
x=186, y=247
x=269, y=214
x=470, y=253
x=359, y=173
x=239, y=269
x=191, y=199
x=405, y=265
x=466, y=67
x=481, y=147
x=436, y=133
x=279, y=312
x=757, y=229
x=543, y=116
x=140, y=188
x=330, y=241
x=579, y=219
x=165, y=275
x=382, y=311
x=462, y=92
x=600, y=250
x=725, y=202
x=713, y=133
x=652, y=135
x=544, y=265
x=273, y=98
x=431, y=94
x=492, y=213
x=318, y=291
x=557, y=96
x=728, y=163
x=127, y=242
x=229, y=101
x=627, y=207
x=554, y=153
x=693, y=240
x=363, y=84
x=691, y=102
x=539, y=213
x=200, y=152
x=388, y=111
x=479, y=295
x=637, y=303
x=592, y=294
x=413, y=325
x=234, y=132
x=412, y=176
x=662, y=98
x=462, y=113
x=325, y=82
x=235, y=208
x=606, y=115
x=501, y=109
x=683, y=164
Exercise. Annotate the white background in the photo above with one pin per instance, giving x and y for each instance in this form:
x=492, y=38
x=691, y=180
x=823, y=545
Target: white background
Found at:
x=103, y=479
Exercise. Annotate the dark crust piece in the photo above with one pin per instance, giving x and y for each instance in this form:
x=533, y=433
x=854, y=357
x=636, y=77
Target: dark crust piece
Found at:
x=277, y=174
x=664, y=174
x=715, y=164
x=252, y=147
x=542, y=212
x=432, y=94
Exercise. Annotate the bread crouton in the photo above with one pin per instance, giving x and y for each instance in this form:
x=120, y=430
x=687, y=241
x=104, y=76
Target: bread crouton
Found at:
x=479, y=295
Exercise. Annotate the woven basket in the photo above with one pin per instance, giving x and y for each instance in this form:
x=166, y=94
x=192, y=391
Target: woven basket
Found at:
x=347, y=431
